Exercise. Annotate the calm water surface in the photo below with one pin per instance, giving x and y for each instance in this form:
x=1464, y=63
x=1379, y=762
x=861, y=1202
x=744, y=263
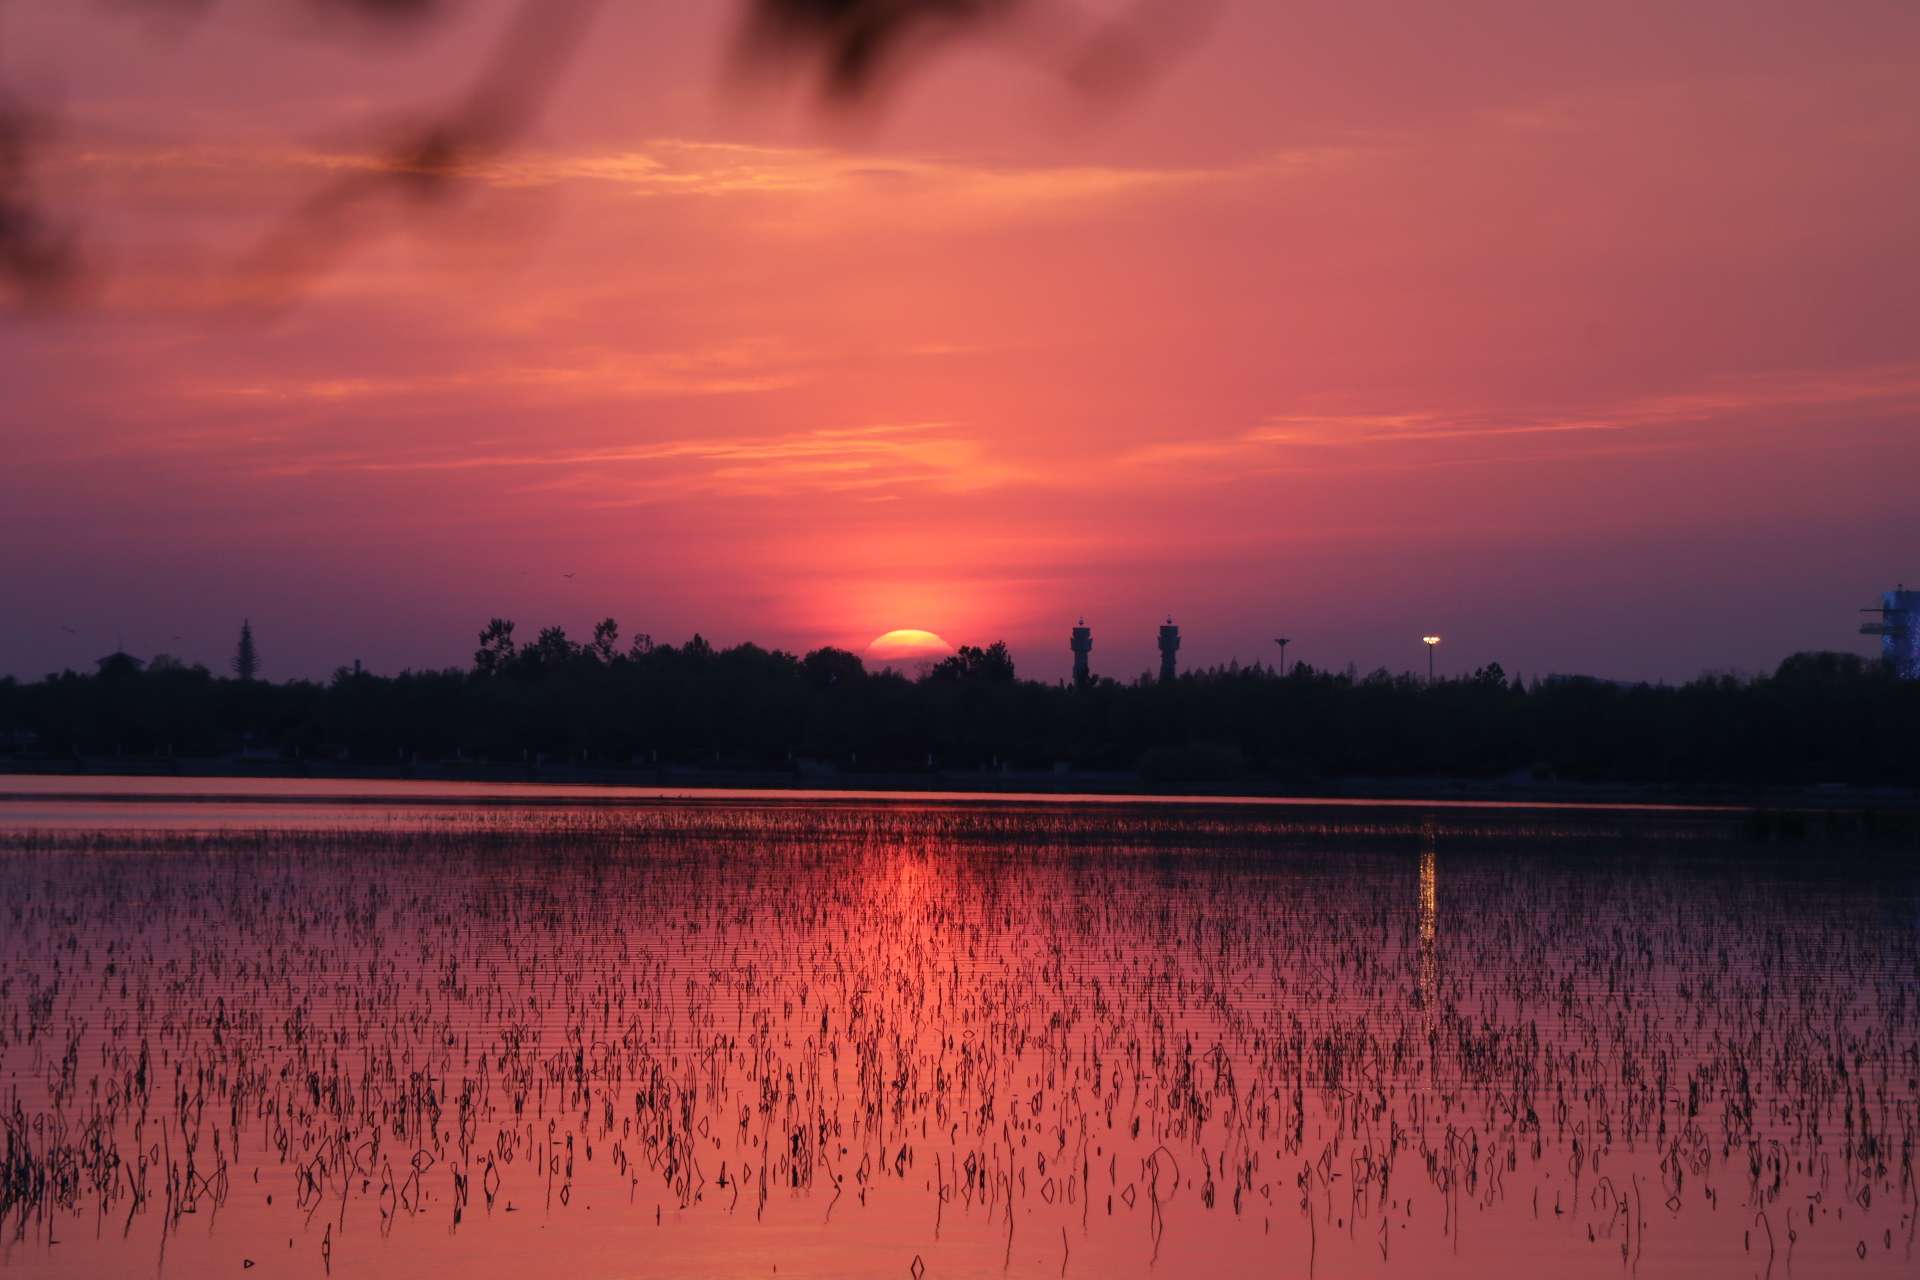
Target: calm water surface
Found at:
x=398, y=1030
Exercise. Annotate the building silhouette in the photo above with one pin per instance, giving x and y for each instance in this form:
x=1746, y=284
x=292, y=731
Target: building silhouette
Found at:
x=1082, y=645
x=1169, y=646
x=1898, y=629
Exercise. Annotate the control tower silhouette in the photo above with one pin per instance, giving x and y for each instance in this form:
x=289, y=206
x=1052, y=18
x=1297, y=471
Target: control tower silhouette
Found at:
x=1169, y=645
x=1082, y=645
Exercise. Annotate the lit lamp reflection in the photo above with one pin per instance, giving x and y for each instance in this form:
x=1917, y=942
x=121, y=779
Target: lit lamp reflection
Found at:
x=1428, y=925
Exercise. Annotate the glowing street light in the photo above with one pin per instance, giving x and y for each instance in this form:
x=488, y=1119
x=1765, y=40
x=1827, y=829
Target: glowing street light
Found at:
x=1432, y=642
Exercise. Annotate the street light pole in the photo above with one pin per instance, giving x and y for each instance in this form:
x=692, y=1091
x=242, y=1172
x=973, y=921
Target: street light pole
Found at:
x=1432, y=643
x=1283, y=643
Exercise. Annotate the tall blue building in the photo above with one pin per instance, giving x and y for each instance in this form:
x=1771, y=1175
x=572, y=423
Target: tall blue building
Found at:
x=1898, y=629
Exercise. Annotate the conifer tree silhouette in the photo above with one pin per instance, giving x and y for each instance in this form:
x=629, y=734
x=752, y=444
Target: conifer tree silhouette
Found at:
x=246, y=659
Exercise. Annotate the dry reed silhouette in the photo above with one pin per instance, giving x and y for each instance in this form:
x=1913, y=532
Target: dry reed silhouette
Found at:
x=1055, y=1028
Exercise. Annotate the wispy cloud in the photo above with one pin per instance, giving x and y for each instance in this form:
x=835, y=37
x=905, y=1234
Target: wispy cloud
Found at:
x=235, y=195
x=860, y=460
x=882, y=462
x=693, y=168
x=680, y=168
x=734, y=370
x=1359, y=440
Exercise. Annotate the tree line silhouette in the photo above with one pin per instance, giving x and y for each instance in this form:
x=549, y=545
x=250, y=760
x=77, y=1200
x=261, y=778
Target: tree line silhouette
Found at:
x=552, y=701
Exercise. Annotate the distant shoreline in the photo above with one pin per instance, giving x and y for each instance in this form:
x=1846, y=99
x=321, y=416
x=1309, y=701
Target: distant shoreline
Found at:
x=1009, y=783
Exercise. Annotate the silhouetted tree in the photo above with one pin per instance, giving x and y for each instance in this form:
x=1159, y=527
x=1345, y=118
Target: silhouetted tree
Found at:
x=828, y=667
x=606, y=641
x=1818, y=718
x=496, y=648
x=552, y=651
x=246, y=662
x=993, y=663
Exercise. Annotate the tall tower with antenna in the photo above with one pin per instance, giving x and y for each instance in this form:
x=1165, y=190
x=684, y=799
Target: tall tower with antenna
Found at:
x=1082, y=645
x=1169, y=646
x=1898, y=629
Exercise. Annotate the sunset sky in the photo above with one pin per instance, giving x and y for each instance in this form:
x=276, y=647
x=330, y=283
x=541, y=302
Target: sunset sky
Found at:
x=1586, y=336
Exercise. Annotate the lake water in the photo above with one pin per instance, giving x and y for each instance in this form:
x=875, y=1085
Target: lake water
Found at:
x=399, y=1030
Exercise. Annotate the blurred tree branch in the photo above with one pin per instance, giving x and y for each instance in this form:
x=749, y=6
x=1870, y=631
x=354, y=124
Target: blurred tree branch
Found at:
x=852, y=46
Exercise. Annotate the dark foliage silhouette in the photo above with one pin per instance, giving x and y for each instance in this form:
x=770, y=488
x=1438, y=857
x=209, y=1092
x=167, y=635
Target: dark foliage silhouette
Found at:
x=246, y=659
x=496, y=648
x=971, y=662
x=856, y=45
x=38, y=256
x=1819, y=718
x=855, y=39
x=850, y=44
x=421, y=169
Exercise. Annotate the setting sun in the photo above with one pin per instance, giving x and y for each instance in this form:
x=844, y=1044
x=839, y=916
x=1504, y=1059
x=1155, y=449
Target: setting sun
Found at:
x=906, y=647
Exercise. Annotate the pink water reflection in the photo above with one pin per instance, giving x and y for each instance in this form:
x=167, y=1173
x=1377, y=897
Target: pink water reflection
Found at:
x=743, y=1038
